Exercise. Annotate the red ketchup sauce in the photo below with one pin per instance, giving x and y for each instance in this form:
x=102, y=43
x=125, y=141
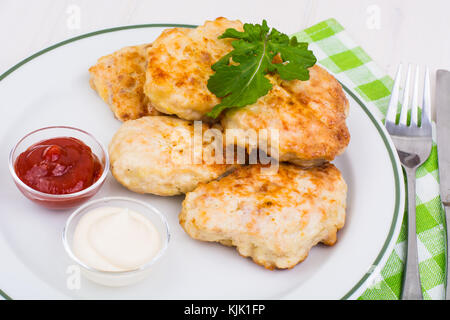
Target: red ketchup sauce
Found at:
x=58, y=166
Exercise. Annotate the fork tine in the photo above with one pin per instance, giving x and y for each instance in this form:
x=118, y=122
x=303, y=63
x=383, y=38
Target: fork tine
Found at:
x=415, y=100
x=426, y=106
x=391, y=113
x=405, y=103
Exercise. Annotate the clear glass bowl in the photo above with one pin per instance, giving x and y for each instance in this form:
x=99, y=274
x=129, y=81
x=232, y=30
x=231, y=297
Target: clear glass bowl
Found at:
x=59, y=201
x=111, y=278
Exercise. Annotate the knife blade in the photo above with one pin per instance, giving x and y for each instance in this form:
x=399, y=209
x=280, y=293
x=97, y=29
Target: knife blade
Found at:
x=443, y=132
x=443, y=142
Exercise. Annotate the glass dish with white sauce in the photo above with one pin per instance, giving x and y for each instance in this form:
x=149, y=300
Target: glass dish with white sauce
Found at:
x=116, y=240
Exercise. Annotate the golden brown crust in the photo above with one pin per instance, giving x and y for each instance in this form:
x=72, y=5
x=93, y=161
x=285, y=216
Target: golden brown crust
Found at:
x=179, y=66
x=274, y=218
x=308, y=115
x=119, y=80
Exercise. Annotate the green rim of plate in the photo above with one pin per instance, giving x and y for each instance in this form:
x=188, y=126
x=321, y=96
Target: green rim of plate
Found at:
x=366, y=110
x=395, y=168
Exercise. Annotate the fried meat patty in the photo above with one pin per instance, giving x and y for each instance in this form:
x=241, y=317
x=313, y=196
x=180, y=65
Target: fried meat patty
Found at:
x=154, y=154
x=274, y=218
x=308, y=117
x=179, y=66
x=119, y=80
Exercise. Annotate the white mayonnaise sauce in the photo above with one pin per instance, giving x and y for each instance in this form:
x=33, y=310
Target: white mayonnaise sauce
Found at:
x=115, y=239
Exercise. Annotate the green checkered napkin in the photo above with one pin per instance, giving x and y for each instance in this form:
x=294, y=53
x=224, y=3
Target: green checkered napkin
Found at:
x=336, y=51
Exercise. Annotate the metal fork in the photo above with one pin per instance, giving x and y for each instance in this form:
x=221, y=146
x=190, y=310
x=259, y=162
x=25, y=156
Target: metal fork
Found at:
x=413, y=144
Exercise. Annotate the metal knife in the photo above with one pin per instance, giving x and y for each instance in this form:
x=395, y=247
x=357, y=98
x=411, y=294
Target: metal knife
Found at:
x=443, y=142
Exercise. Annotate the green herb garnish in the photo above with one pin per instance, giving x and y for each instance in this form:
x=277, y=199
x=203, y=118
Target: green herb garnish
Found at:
x=239, y=77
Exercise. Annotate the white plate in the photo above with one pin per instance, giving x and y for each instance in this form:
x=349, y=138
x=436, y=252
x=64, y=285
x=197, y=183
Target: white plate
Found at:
x=52, y=88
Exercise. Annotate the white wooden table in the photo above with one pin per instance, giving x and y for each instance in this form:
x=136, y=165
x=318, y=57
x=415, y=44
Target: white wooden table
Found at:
x=391, y=31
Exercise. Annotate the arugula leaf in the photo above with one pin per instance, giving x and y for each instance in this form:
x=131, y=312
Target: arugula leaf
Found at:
x=239, y=77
